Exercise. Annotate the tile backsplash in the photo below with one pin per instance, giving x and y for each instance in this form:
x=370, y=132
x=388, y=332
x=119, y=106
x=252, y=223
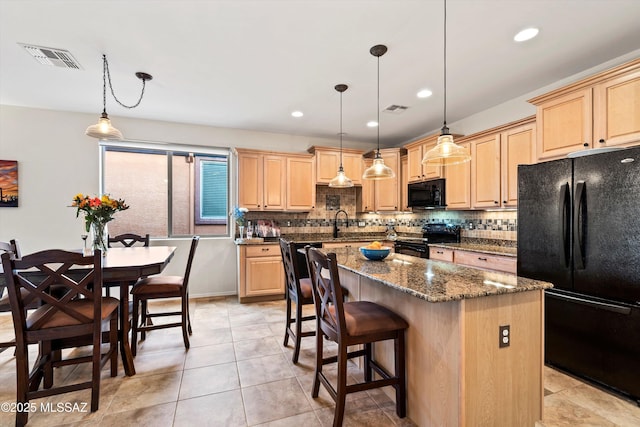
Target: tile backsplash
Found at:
x=500, y=225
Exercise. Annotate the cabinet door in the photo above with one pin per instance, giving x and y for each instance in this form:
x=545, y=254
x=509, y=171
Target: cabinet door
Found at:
x=300, y=182
x=264, y=276
x=617, y=111
x=274, y=182
x=458, y=184
x=485, y=171
x=387, y=191
x=366, y=203
x=431, y=171
x=250, y=181
x=352, y=164
x=518, y=148
x=327, y=163
x=404, y=184
x=564, y=124
x=414, y=163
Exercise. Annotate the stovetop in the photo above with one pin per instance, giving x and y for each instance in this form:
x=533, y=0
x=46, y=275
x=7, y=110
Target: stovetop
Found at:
x=435, y=233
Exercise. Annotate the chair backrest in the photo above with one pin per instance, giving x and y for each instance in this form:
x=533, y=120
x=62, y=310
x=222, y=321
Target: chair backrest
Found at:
x=292, y=275
x=327, y=292
x=129, y=239
x=74, y=277
x=12, y=248
x=192, y=252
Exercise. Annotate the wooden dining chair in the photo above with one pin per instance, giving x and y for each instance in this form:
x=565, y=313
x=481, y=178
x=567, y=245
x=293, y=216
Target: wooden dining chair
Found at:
x=75, y=315
x=162, y=287
x=298, y=292
x=128, y=240
x=351, y=324
x=11, y=247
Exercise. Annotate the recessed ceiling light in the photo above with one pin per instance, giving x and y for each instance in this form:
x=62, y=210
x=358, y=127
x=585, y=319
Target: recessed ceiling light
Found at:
x=297, y=114
x=372, y=124
x=526, y=34
x=424, y=93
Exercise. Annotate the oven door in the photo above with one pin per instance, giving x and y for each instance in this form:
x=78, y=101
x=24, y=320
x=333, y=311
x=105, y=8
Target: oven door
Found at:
x=419, y=250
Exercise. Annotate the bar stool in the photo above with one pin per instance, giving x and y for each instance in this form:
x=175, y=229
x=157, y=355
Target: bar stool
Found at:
x=348, y=324
x=298, y=292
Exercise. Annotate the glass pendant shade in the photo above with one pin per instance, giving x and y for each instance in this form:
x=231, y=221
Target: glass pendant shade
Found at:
x=341, y=180
x=446, y=153
x=103, y=129
x=378, y=170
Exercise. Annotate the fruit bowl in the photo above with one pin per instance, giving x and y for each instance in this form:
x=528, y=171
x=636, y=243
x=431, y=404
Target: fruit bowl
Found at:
x=375, y=254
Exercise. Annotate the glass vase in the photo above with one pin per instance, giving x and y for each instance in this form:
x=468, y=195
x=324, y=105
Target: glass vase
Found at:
x=99, y=236
x=241, y=229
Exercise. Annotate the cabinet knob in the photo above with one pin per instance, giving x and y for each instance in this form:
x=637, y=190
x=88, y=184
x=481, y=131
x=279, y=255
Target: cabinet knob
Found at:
x=602, y=141
x=482, y=259
x=586, y=144
x=496, y=202
x=504, y=202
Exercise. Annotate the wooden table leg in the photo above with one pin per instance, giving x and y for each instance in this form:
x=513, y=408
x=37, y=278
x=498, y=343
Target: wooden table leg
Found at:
x=125, y=348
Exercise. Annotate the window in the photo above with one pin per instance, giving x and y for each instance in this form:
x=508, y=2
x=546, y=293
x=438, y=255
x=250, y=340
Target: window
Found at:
x=173, y=192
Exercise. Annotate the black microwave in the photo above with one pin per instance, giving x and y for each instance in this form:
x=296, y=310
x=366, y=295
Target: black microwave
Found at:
x=428, y=194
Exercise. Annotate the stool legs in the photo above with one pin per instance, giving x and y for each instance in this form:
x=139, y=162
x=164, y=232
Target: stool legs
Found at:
x=401, y=387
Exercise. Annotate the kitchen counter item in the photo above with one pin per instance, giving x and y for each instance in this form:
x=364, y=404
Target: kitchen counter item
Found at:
x=375, y=254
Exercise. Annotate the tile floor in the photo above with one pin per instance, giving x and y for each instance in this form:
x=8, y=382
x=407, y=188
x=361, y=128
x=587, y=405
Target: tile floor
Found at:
x=237, y=373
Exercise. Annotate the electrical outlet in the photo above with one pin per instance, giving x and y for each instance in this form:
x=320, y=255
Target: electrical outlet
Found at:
x=361, y=224
x=505, y=336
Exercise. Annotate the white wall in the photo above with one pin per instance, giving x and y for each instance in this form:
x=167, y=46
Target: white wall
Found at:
x=56, y=161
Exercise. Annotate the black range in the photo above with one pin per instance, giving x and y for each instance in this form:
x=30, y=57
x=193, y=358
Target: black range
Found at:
x=431, y=233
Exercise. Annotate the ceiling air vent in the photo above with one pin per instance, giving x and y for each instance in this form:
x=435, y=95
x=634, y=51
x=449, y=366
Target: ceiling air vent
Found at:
x=395, y=109
x=51, y=56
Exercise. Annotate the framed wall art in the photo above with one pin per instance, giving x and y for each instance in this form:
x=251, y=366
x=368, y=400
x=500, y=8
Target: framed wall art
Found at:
x=9, y=183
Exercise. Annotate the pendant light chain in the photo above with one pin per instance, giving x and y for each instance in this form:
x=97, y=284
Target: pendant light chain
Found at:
x=445, y=64
x=378, y=151
x=341, y=168
x=106, y=71
x=104, y=84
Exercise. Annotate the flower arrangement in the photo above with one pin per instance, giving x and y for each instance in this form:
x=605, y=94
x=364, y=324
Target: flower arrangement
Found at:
x=98, y=211
x=238, y=213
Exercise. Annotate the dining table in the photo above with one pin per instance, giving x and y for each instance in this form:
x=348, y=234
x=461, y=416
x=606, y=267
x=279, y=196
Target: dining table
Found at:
x=125, y=266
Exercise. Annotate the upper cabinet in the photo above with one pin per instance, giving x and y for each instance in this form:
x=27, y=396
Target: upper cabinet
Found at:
x=415, y=152
x=458, y=183
x=602, y=110
x=404, y=183
x=328, y=162
x=518, y=145
x=275, y=181
x=485, y=171
x=382, y=195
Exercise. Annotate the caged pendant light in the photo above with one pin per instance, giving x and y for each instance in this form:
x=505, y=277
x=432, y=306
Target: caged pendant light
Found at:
x=341, y=180
x=446, y=152
x=378, y=170
x=104, y=129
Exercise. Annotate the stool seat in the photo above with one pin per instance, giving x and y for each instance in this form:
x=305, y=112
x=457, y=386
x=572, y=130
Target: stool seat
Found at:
x=364, y=318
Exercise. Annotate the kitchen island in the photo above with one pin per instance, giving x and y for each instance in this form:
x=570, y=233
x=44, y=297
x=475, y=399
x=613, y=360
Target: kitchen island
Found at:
x=458, y=373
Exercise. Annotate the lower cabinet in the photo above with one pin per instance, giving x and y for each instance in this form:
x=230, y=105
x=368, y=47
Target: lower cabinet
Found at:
x=501, y=263
x=260, y=272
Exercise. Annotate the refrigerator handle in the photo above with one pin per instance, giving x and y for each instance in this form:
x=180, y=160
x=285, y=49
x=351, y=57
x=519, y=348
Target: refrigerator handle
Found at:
x=564, y=209
x=580, y=225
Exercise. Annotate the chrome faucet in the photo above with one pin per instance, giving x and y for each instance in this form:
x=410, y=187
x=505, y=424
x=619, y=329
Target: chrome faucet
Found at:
x=335, y=222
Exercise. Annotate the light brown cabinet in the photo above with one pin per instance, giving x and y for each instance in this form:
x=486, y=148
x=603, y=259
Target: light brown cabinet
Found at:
x=493, y=262
x=404, y=183
x=328, y=161
x=270, y=181
x=485, y=171
x=517, y=148
x=415, y=152
x=260, y=272
x=300, y=183
x=382, y=195
x=599, y=111
x=458, y=183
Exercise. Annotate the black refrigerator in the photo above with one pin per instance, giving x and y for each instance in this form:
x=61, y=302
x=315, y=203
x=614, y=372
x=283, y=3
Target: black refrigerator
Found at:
x=579, y=228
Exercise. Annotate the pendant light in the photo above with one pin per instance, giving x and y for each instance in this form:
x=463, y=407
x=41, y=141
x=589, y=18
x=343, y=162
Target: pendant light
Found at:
x=341, y=180
x=446, y=152
x=378, y=170
x=104, y=129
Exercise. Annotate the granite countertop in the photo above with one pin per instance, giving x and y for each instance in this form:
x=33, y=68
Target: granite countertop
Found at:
x=434, y=281
x=483, y=248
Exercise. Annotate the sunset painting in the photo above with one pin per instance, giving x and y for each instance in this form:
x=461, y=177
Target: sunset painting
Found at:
x=8, y=183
